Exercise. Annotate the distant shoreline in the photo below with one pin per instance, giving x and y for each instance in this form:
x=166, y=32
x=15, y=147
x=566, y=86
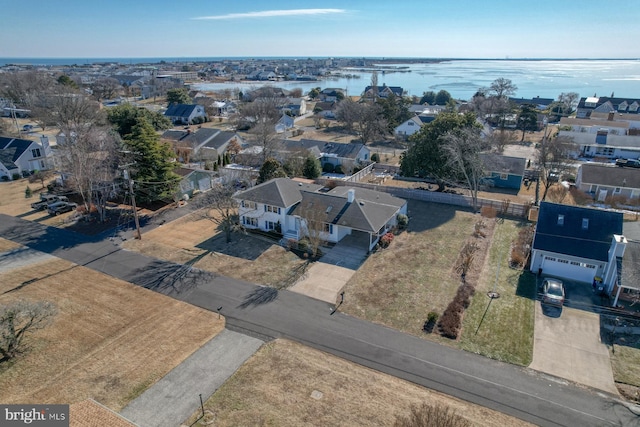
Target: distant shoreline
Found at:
x=62, y=61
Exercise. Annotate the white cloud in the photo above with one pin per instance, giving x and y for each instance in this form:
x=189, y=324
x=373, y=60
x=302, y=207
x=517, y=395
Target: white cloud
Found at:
x=272, y=13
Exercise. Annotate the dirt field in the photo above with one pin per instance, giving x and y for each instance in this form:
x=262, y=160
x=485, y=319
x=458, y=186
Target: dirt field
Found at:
x=287, y=384
x=109, y=341
x=195, y=240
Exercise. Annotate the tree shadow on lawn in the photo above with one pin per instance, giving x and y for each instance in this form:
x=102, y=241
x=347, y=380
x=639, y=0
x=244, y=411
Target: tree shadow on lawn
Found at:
x=241, y=246
x=428, y=215
x=172, y=279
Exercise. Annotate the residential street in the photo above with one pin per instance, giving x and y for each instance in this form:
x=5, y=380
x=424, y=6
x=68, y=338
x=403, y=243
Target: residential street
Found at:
x=265, y=312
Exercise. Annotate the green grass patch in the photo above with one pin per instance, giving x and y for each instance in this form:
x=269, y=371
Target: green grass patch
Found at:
x=625, y=362
x=502, y=328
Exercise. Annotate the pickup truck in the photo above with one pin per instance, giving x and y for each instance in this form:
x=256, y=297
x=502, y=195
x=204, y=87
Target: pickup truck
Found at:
x=631, y=163
x=46, y=200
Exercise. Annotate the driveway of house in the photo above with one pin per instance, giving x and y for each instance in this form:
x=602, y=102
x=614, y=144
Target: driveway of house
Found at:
x=567, y=345
x=325, y=278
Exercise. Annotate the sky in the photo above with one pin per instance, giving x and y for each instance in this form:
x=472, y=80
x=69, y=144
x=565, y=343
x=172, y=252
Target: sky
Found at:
x=240, y=28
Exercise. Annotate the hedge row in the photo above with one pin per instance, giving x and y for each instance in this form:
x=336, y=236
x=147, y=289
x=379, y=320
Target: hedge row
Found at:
x=450, y=323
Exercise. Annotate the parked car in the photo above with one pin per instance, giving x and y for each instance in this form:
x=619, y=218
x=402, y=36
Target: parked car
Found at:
x=61, y=207
x=27, y=128
x=553, y=292
x=632, y=163
x=46, y=200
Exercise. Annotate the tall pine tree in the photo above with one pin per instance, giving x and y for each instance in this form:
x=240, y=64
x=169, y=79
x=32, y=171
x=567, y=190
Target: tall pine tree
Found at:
x=153, y=170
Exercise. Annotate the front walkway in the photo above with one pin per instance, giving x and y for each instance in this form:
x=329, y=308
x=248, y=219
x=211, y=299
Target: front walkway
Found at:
x=175, y=397
x=567, y=345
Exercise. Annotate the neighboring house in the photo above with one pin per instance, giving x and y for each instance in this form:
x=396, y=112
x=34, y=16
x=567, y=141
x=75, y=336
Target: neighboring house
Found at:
x=602, y=181
x=326, y=109
x=577, y=243
x=539, y=103
x=290, y=207
x=382, y=91
x=503, y=171
x=285, y=122
x=204, y=144
x=331, y=94
x=602, y=137
x=345, y=155
x=604, y=104
x=184, y=113
x=295, y=106
x=192, y=181
x=408, y=127
x=22, y=157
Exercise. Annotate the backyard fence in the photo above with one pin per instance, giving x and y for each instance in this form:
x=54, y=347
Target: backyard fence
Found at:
x=502, y=207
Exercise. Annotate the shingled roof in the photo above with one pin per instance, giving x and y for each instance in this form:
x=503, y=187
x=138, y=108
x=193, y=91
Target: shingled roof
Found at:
x=609, y=175
x=11, y=149
x=504, y=164
x=180, y=110
x=282, y=192
x=569, y=237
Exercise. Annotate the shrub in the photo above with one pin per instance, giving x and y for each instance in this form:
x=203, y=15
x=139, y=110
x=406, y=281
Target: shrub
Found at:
x=451, y=320
x=338, y=169
x=403, y=221
x=432, y=319
x=5, y=178
x=327, y=168
x=375, y=157
x=521, y=247
x=331, y=185
x=15, y=176
x=431, y=415
x=28, y=193
x=488, y=212
x=386, y=240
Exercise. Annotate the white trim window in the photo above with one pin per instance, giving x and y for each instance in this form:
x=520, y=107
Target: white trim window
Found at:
x=249, y=205
x=247, y=220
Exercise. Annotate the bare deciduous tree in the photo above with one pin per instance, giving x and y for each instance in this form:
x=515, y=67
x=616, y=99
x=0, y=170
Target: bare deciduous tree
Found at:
x=555, y=158
x=431, y=415
x=263, y=113
x=18, y=320
x=463, y=155
x=218, y=206
x=106, y=88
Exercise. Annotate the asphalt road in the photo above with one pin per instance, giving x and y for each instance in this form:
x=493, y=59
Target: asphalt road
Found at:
x=266, y=313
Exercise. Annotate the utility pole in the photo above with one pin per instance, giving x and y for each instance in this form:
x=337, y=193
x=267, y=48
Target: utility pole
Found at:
x=133, y=203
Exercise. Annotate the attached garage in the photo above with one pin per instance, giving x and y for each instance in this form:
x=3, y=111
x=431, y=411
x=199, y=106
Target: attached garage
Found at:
x=579, y=271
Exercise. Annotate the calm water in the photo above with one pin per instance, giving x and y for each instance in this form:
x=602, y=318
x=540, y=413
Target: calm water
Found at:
x=462, y=78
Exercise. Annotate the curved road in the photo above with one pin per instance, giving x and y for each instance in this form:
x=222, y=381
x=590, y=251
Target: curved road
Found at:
x=266, y=313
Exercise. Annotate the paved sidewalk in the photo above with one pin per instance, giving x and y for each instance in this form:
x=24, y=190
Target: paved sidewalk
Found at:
x=174, y=398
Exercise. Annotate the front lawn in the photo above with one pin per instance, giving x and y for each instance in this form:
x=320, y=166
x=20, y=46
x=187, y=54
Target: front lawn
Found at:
x=502, y=328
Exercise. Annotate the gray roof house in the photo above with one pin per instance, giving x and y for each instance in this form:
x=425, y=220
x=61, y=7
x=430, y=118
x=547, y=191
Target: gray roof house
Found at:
x=578, y=244
x=602, y=181
x=204, y=144
x=23, y=156
x=503, y=171
x=288, y=207
x=345, y=155
x=184, y=113
x=382, y=91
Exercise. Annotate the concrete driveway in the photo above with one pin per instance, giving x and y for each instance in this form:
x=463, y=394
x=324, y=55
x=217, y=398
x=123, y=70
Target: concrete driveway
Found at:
x=567, y=345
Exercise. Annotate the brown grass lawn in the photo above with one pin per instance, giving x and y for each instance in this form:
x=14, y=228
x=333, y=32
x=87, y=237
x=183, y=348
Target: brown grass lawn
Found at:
x=246, y=258
x=398, y=286
x=275, y=388
x=110, y=340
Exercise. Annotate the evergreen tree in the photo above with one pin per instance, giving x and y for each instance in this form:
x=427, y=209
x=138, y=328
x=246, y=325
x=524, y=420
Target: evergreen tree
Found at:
x=153, y=168
x=178, y=95
x=270, y=169
x=311, y=168
x=124, y=117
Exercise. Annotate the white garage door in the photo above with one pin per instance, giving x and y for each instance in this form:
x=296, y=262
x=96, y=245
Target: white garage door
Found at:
x=573, y=270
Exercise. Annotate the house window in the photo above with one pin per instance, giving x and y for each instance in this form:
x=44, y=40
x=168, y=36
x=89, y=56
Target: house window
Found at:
x=410, y=123
x=548, y=258
x=269, y=208
x=560, y=219
x=593, y=188
x=617, y=190
x=585, y=223
x=564, y=261
x=575, y=263
x=35, y=152
x=269, y=225
x=250, y=221
x=328, y=228
x=504, y=176
x=249, y=205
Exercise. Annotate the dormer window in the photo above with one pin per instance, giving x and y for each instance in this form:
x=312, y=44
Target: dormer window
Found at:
x=585, y=223
x=560, y=219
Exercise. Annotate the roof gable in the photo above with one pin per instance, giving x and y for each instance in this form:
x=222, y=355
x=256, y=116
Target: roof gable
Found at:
x=180, y=110
x=568, y=236
x=281, y=192
x=504, y=164
x=11, y=149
